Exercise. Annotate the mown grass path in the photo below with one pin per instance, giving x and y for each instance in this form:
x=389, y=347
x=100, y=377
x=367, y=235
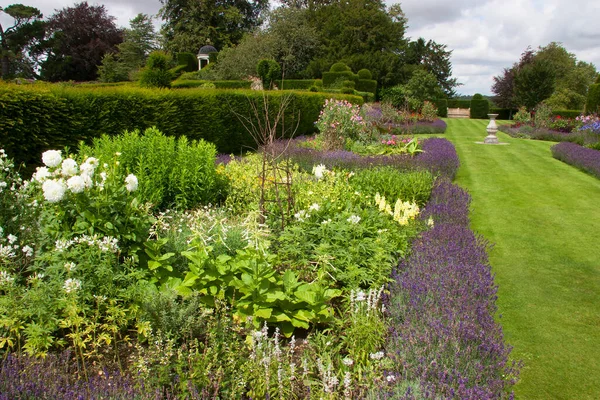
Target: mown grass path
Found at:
x=543, y=217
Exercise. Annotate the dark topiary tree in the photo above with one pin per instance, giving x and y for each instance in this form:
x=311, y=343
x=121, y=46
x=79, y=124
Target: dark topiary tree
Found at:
x=157, y=73
x=269, y=72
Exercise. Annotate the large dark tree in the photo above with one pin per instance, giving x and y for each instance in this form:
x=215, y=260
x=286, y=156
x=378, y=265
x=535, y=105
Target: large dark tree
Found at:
x=79, y=38
x=361, y=33
x=534, y=83
x=435, y=58
x=190, y=24
x=19, y=42
x=504, y=85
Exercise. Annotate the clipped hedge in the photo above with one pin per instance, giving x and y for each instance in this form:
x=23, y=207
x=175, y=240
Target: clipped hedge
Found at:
x=34, y=119
x=366, y=85
x=179, y=84
x=188, y=60
x=592, y=105
x=503, y=113
x=480, y=108
x=297, y=84
x=330, y=78
x=459, y=103
x=567, y=113
x=442, y=107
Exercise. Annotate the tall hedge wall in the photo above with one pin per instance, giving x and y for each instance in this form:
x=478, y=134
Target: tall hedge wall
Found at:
x=442, y=107
x=329, y=78
x=34, y=119
x=459, y=103
x=592, y=105
x=185, y=84
x=480, y=109
x=503, y=113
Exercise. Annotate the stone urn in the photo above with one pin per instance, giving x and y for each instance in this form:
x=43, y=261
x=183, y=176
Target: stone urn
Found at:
x=492, y=128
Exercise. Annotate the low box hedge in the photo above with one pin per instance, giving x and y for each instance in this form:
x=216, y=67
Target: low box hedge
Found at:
x=37, y=118
x=459, y=103
x=181, y=84
x=442, y=107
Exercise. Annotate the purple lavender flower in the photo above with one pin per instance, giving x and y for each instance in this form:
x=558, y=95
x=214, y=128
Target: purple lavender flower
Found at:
x=581, y=157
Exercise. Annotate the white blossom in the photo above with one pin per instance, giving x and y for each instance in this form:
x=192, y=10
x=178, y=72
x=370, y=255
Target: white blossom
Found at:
x=27, y=250
x=360, y=296
x=348, y=361
x=52, y=158
x=319, y=171
x=376, y=356
x=89, y=166
x=70, y=266
x=54, y=190
x=6, y=278
x=12, y=238
x=354, y=219
x=72, y=285
x=314, y=207
x=131, y=183
x=69, y=167
x=41, y=174
x=390, y=378
x=76, y=184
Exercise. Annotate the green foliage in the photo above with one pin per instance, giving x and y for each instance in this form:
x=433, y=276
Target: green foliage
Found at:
x=366, y=85
x=442, y=107
x=297, y=84
x=339, y=67
x=157, y=73
x=394, y=184
x=171, y=172
x=330, y=79
x=566, y=113
x=112, y=70
x=542, y=116
x=534, y=83
x=269, y=71
x=453, y=103
x=480, y=107
x=592, y=105
x=188, y=60
x=421, y=86
x=364, y=74
x=348, y=84
x=35, y=118
x=181, y=84
x=522, y=115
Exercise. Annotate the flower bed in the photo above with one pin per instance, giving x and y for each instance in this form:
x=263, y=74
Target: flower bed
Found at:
x=587, y=160
x=444, y=338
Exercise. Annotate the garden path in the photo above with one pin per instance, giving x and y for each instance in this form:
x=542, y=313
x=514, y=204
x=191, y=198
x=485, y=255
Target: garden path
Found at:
x=543, y=217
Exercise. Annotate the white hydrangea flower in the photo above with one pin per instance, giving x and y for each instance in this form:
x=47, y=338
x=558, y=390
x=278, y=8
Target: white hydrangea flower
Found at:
x=52, y=158
x=319, y=171
x=41, y=174
x=354, y=219
x=76, y=184
x=131, y=183
x=54, y=190
x=69, y=167
x=72, y=285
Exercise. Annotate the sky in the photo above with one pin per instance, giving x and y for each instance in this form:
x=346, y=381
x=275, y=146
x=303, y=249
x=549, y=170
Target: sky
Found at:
x=484, y=36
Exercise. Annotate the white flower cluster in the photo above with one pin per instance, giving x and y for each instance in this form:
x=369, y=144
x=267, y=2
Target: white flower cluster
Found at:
x=70, y=176
x=302, y=215
x=403, y=212
x=6, y=279
x=354, y=219
x=72, y=285
x=105, y=244
x=359, y=300
x=328, y=377
x=376, y=356
x=319, y=171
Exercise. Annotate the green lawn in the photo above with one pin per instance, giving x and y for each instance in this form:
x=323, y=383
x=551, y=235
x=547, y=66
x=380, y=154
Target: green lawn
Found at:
x=544, y=218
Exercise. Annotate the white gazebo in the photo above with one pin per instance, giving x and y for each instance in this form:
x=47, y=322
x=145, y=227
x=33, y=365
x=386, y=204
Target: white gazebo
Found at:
x=204, y=55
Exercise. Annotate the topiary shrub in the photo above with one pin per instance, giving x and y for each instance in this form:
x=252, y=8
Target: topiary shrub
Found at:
x=188, y=60
x=347, y=90
x=364, y=74
x=442, y=107
x=592, y=105
x=269, y=71
x=480, y=107
x=157, y=74
x=338, y=72
x=349, y=84
x=366, y=85
x=339, y=67
x=313, y=89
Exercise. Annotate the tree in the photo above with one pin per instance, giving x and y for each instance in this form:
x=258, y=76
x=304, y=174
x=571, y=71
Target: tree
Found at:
x=190, y=24
x=80, y=37
x=534, y=83
x=18, y=42
x=362, y=34
x=139, y=41
x=436, y=59
x=504, y=85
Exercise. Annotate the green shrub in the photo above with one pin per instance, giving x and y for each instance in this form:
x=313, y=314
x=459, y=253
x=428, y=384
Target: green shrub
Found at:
x=35, y=118
x=346, y=90
x=459, y=103
x=522, y=115
x=592, y=105
x=189, y=61
x=503, y=113
x=112, y=70
x=339, y=67
x=542, y=115
x=313, y=89
x=349, y=84
x=480, y=107
x=189, y=76
x=394, y=184
x=179, y=84
x=442, y=107
x=428, y=111
x=171, y=172
x=365, y=75
x=156, y=74
x=366, y=85
x=567, y=113
x=296, y=84
x=269, y=72
x=177, y=71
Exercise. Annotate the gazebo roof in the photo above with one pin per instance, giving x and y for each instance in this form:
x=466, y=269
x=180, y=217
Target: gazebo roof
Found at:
x=205, y=50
